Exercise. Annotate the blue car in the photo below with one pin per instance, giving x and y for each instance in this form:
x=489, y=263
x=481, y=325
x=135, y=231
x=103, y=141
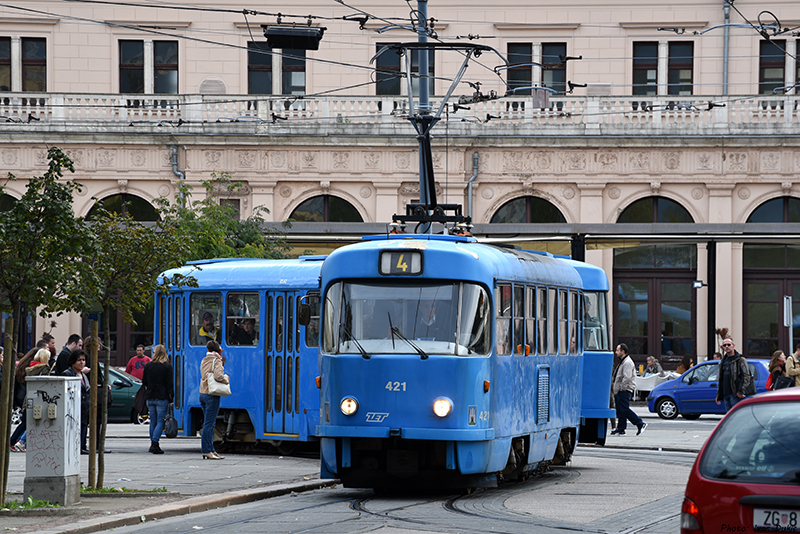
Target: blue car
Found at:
x=695, y=391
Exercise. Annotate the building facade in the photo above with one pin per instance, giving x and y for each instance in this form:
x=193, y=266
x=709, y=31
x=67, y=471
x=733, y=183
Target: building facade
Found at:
x=681, y=115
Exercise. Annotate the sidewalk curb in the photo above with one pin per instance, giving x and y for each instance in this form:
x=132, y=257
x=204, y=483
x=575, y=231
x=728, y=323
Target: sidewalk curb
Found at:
x=191, y=505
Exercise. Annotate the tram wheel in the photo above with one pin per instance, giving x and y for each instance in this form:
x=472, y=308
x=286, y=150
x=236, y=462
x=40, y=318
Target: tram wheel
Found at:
x=287, y=448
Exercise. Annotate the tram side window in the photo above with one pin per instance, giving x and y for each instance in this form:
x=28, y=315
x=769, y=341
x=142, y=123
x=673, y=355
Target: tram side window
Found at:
x=530, y=319
x=205, y=310
x=563, y=321
x=503, y=301
x=574, y=315
x=243, y=320
x=521, y=348
x=541, y=320
x=162, y=313
x=476, y=324
x=552, y=319
x=312, y=329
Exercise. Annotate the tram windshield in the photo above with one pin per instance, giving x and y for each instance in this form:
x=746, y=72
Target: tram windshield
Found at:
x=595, y=322
x=447, y=318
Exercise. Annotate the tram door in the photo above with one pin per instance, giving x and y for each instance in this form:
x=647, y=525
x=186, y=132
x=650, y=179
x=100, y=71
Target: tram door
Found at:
x=169, y=335
x=282, y=353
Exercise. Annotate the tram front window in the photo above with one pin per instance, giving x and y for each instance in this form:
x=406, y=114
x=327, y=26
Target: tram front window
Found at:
x=450, y=318
x=595, y=322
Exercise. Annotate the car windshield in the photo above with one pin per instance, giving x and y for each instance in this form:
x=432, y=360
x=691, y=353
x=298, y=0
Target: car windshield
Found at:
x=381, y=318
x=756, y=443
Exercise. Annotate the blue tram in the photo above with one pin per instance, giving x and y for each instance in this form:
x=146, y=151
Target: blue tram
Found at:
x=250, y=307
x=452, y=363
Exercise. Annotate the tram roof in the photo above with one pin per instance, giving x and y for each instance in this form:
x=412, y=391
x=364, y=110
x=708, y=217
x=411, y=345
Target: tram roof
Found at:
x=467, y=260
x=253, y=273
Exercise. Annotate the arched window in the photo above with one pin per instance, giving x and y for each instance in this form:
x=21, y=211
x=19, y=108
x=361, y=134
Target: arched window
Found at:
x=137, y=207
x=777, y=210
x=7, y=202
x=326, y=208
x=655, y=210
x=528, y=210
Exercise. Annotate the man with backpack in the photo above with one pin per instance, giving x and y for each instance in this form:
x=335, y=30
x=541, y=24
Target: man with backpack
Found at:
x=735, y=380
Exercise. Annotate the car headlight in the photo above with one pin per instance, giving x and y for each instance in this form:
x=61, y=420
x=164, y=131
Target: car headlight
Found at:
x=442, y=406
x=349, y=405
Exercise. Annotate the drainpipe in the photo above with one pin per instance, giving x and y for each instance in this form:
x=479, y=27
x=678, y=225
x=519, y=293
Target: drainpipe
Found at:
x=179, y=174
x=726, y=8
x=475, y=158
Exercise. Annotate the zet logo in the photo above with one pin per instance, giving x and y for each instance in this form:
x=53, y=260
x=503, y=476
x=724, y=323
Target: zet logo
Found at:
x=373, y=417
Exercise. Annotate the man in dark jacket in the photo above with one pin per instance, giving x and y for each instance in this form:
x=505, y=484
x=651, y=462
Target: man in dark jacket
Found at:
x=74, y=342
x=734, y=376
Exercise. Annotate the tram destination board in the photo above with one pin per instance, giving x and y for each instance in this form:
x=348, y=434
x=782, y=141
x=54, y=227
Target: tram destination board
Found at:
x=401, y=263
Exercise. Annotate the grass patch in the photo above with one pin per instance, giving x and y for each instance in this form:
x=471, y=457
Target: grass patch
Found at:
x=85, y=489
x=30, y=504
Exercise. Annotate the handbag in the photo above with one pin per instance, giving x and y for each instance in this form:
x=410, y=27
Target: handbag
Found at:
x=783, y=382
x=170, y=424
x=217, y=388
x=140, y=401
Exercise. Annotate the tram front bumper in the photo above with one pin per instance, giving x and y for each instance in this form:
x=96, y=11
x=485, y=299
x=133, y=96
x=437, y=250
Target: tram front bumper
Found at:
x=444, y=434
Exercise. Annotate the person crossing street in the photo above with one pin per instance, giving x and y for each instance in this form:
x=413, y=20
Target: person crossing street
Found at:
x=624, y=384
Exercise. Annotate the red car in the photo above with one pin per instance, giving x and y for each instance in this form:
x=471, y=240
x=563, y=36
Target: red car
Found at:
x=747, y=475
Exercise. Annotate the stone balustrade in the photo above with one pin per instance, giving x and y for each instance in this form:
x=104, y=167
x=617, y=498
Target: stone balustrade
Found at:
x=595, y=115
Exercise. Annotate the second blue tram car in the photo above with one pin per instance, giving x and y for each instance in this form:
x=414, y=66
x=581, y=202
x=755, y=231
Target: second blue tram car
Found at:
x=452, y=363
x=250, y=307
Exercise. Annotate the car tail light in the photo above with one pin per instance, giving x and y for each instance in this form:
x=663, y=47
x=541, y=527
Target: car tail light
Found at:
x=690, y=518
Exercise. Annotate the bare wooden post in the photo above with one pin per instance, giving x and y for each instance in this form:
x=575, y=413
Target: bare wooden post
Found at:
x=93, y=410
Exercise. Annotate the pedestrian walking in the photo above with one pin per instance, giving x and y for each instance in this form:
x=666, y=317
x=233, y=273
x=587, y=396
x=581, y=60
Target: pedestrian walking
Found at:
x=624, y=385
x=735, y=381
x=157, y=380
x=777, y=367
x=793, y=366
x=76, y=363
x=137, y=363
x=213, y=363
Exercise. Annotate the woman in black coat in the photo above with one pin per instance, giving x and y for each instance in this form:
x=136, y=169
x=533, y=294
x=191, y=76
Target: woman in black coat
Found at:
x=76, y=362
x=157, y=380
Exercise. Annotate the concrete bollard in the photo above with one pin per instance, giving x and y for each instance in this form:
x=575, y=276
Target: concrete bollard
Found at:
x=52, y=460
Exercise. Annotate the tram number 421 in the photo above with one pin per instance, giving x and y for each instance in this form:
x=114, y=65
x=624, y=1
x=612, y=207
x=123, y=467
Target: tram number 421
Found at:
x=396, y=386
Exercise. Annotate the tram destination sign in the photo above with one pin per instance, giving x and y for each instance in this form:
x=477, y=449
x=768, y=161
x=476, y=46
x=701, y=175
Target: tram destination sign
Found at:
x=400, y=263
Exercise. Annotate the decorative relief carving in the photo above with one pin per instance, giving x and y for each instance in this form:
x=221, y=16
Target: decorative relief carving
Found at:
x=737, y=161
x=483, y=162
x=568, y=193
x=137, y=158
x=613, y=193
x=770, y=161
x=277, y=159
x=543, y=160
x=705, y=161
x=412, y=189
x=246, y=159
x=655, y=187
x=608, y=161
x=640, y=161
x=166, y=158
x=106, y=158
x=372, y=160
x=308, y=159
x=40, y=158
x=213, y=158
x=10, y=156
x=744, y=193
x=487, y=193
x=122, y=185
x=77, y=156
x=402, y=160
x=80, y=191
x=575, y=162
x=325, y=186
x=164, y=190
x=438, y=161
x=672, y=161
x=786, y=187
x=286, y=191
x=341, y=160
x=512, y=161
x=697, y=193
x=365, y=192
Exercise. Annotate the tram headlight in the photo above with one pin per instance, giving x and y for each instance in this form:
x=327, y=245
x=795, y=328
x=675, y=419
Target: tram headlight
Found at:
x=349, y=405
x=442, y=406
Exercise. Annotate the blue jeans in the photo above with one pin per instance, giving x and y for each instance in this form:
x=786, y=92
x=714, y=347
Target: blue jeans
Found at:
x=730, y=401
x=210, y=404
x=622, y=401
x=158, y=411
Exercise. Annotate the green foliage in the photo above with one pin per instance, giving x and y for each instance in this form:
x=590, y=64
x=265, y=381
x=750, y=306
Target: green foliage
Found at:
x=42, y=244
x=122, y=489
x=213, y=230
x=30, y=504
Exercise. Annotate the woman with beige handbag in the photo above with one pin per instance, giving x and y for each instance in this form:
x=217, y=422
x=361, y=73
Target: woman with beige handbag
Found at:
x=212, y=373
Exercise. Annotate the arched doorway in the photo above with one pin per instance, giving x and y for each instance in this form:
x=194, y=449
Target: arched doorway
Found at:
x=771, y=272
x=125, y=336
x=7, y=202
x=654, y=303
x=528, y=209
x=325, y=208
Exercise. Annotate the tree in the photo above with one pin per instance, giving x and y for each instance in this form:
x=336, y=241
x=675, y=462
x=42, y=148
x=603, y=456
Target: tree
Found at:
x=127, y=262
x=41, y=248
x=215, y=230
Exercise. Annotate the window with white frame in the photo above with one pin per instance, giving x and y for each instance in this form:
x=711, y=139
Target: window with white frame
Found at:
x=663, y=68
x=23, y=64
x=391, y=67
x=522, y=74
x=275, y=71
x=148, y=67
